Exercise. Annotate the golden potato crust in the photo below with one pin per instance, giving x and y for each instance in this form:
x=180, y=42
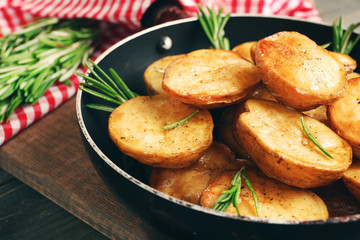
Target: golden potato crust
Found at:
x=210, y=78
x=297, y=72
x=351, y=179
x=153, y=74
x=244, y=50
x=344, y=115
x=136, y=128
x=275, y=199
x=188, y=183
x=273, y=136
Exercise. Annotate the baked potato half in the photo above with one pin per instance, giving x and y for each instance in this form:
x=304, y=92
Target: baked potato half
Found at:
x=344, y=115
x=348, y=62
x=188, y=183
x=136, y=127
x=210, y=78
x=244, y=50
x=298, y=72
x=274, y=138
x=225, y=133
x=275, y=199
x=154, y=73
x=351, y=179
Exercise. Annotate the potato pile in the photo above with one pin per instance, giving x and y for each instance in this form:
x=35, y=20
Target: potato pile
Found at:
x=250, y=102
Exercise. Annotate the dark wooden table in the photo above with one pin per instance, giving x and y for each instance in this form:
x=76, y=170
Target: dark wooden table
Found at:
x=75, y=203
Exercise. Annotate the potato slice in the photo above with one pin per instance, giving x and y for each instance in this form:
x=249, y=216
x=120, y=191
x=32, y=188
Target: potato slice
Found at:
x=210, y=78
x=154, y=73
x=352, y=75
x=275, y=199
x=225, y=133
x=319, y=113
x=351, y=179
x=344, y=115
x=348, y=62
x=263, y=93
x=273, y=136
x=297, y=72
x=136, y=127
x=188, y=183
x=244, y=50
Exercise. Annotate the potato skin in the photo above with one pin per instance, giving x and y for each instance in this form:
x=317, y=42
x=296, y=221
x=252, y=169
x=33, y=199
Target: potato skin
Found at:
x=188, y=183
x=136, y=128
x=153, y=78
x=344, y=115
x=273, y=137
x=210, y=78
x=297, y=72
x=276, y=200
x=351, y=179
x=244, y=50
x=348, y=62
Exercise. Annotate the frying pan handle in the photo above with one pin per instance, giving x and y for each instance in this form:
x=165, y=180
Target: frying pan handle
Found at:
x=162, y=11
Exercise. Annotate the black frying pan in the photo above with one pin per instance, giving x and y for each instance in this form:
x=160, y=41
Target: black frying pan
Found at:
x=128, y=178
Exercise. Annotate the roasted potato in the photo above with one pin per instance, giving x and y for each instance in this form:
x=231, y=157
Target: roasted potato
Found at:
x=210, y=78
x=275, y=199
x=154, y=73
x=188, y=183
x=263, y=93
x=297, y=72
x=351, y=179
x=244, y=50
x=319, y=113
x=274, y=138
x=348, y=62
x=136, y=127
x=344, y=115
x=224, y=132
x=352, y=75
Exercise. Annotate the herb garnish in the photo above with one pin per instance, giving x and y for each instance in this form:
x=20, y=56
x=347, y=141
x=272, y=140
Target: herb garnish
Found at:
x=181, y=121
x=308, y=134
x=231, y=195
x=33, y=58
x=342, y=41
x=213, y=26
x=115, y=91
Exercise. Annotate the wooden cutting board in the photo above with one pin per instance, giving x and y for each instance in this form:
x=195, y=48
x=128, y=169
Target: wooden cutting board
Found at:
x=50, y=157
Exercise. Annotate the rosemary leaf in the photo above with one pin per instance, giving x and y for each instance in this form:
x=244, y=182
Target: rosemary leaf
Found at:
x=181, y=121
x=248, y=184
x=213, y=25
x=100, y=107
x=308, y=134
x=232, y=194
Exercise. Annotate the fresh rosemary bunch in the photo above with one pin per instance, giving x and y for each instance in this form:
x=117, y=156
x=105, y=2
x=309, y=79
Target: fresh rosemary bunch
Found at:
x=311, y=137
x=33, y=58
x=342, y=41
x=231, y=195
x=213, y=26
x=113, y=90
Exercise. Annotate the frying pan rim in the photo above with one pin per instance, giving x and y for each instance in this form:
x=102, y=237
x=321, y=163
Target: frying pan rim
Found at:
x=91, y=142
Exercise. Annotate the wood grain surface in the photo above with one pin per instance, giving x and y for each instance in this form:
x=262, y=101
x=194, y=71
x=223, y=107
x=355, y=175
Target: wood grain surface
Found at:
x=50, y=154
x=50, y=158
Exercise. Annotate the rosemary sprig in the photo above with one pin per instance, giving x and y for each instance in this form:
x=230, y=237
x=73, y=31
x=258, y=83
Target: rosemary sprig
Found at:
x=213, y=25
x=113, y=90
x=308, y=134
x=181, y=121
x=231, y=195
x=33, y=58
x=342, y=41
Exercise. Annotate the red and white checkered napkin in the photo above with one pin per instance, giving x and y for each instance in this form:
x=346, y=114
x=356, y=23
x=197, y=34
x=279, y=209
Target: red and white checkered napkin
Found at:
x=126, y=16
